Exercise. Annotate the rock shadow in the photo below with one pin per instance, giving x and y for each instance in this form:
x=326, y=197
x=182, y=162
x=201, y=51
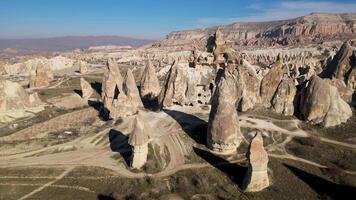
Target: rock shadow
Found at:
x=151, y=103
x=235, y=172
x=326, y=189
x=195, y=127
x=97, y=86
x=105, y=197
x=119, y=143
x=79, y=92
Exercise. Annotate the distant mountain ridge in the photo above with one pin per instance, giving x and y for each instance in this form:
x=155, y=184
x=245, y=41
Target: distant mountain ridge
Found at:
x=68, y=43
x=313, y=28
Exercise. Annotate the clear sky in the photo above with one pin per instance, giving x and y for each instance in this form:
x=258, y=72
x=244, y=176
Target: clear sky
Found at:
x=150, y=19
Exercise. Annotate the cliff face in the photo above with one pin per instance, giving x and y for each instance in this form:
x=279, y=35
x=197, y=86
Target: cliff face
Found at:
x=312, y=28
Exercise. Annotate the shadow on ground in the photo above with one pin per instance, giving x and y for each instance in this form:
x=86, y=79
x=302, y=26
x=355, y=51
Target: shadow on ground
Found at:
x=235, y=172
x=195, y=127
x=105, y=197
x=326, y=189
x=119, y=143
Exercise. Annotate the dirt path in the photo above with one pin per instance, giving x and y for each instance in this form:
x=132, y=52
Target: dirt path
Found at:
x=47, y=184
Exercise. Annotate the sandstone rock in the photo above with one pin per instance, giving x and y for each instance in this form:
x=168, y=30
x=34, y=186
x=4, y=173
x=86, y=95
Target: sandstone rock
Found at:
x=271, y=81
x=40, y=75
x=15, y=103
x=256, y=178
x=112, y=84
x=310, y=29
x=120, y=99
x=87, y=90
x=186, y=85
x=174, y=87
x=35, y=99
x=139, y=141
x=221, y=48
x=149, y=82
x=341, y=64
x=224, y=134
x=2, y=68
x=82, y=66
x=321, y=104
x=244, y=85
x=283, y=99
x=131, y=90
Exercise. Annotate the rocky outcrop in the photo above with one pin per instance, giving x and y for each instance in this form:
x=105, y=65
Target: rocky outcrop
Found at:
x=313, y=28
x=40, y=75
x=244, y=85
x=223, y=134
x=283, y=99
x=186, y=85
x=321, y=104
x=82, y=66
x=131, y=90
x=342, y=63
x=271, y=81
x=139, y=141
x=15, y=102
x=112, y=84
x=221, y=47
x=256, y=178
x=149, y=84
x=343, y=68
x=120, y=98
x=2, y=68
x=87, y=90
x=174, y=88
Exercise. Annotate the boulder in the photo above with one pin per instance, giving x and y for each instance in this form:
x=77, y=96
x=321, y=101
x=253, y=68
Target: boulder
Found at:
x=87, y=90
x=149, y=84
x=321, y=103
x=283, y=99
x=256, y=178
x=223, y=134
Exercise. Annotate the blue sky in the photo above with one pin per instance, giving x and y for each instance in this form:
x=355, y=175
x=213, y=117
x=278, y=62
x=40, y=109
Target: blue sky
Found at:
x=150, y=19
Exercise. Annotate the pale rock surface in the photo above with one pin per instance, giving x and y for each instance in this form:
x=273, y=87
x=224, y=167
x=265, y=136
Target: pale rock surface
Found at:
x=149, y=82
x=112, y=83
x=283, y=100
x=270, y=82
x=82, y=66
x=186, y=85
x=131, y=90
x=138, y=139
x=87, y=90
x=224, y=134
x=15, y=102
x=40, y=75
x=244, y=85
x=256, y=178
x=120, y=98
x=321, y=104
